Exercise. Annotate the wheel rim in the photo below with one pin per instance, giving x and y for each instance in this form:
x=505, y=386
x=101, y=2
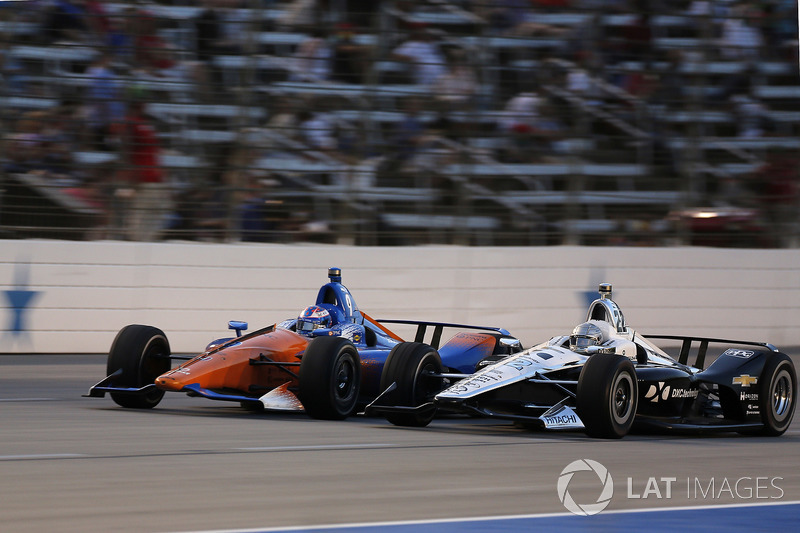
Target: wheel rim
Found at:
x=152, y=364
x=782, y=392
x=345, y=373
x=622, y=398
x=425, y=386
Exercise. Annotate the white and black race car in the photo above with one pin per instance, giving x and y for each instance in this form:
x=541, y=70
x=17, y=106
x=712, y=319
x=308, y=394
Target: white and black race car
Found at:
x=603, y=379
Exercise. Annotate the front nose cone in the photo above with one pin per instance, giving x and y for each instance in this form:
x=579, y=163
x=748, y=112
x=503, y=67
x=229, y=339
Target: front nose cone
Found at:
x=171, y=382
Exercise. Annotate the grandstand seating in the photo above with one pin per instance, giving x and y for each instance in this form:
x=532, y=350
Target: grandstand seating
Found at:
x=618, y=147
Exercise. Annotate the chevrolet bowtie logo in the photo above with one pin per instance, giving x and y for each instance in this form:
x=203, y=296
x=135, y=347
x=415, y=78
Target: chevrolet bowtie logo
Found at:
x=745, y=380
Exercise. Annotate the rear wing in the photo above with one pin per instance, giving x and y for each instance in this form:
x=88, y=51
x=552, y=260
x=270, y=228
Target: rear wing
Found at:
x=438, y=328
x=687, y=342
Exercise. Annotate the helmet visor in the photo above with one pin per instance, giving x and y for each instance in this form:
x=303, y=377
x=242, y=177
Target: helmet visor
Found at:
x=581, y=342
x=306, y=325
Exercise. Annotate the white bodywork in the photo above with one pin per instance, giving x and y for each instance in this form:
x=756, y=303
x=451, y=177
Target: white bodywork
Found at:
x=535, y=363
x=518, y=367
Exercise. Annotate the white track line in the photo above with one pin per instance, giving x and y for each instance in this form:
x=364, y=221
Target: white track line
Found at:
x=488, y=518
x=41, y=456
x=317, y=447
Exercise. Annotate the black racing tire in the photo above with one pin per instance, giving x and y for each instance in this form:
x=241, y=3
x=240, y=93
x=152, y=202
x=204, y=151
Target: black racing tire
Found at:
x=607, y=396
x=142, y=353
x=776, y=394
x=330, y=378
x=406, y=365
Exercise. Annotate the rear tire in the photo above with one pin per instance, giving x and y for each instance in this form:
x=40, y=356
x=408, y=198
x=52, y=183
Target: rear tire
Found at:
x=142, y=353
x=407, y=364
x=330, y=378
x=607, y=396
x=776, y=394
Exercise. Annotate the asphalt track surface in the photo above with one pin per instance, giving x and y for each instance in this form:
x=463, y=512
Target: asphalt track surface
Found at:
x=69, y=463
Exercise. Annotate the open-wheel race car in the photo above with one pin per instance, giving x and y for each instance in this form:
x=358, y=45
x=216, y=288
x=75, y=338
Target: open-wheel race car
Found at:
x=603, y=379
x=327, y=362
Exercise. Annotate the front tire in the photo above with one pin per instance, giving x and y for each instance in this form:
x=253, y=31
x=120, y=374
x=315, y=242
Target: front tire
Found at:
x=330, y=378
x=408, y=365
x=777, y=391
x=142, y=353
x=607, y=396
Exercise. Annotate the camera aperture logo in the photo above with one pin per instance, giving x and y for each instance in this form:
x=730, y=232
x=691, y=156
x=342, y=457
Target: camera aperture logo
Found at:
x=604, y=480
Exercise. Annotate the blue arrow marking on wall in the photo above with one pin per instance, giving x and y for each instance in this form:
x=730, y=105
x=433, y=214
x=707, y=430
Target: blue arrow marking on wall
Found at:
x=19, y=299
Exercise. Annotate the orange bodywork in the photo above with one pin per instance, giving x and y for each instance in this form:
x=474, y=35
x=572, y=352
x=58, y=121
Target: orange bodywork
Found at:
x=229, y=367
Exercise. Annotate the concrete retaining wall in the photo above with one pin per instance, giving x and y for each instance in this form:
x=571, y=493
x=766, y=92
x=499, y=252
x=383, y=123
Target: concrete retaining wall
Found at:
x=72, y=297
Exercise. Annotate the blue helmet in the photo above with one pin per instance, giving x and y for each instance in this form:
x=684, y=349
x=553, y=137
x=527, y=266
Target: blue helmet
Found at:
x=313, y=317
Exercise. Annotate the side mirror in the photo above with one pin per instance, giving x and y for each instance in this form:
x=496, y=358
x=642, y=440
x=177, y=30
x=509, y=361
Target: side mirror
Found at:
x=237, y=325
x=591, y=350
x=511, y=344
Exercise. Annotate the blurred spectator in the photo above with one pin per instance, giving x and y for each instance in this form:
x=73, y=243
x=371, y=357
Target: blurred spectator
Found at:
x=312, y=60
x=103, y=101
x=548, y=132
x=317, y=131
x=284, y=120
x=24, y=144
x=458, y=85
x=503, y=16
x=636, y=43
x=13, y=79
x=751, y=116
x=37, y=148
x=781, y=28
x=142, y=152
x=408, y=134
x=67, y=20
x=579, y=76
x=303, y=15
x=350, y=59
x=97, y=19
x=422, y=54
x=121, y=28
x=741, y=34
x=151, y=52
x=208, y=32
x=520, y=112
x=155, y=57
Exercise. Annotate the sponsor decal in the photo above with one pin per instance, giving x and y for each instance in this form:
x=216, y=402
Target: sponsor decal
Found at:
x=516, y=366
x=684, y=393
x=560, y=420
x=662, y=392
x=744, y=354
x=748, y=396
x=562, y=417
x=465, y=385
x=604, y=478
x=745, y=380
x=657, y=391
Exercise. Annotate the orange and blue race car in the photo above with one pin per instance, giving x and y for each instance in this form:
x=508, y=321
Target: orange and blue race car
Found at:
x=326, y=362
